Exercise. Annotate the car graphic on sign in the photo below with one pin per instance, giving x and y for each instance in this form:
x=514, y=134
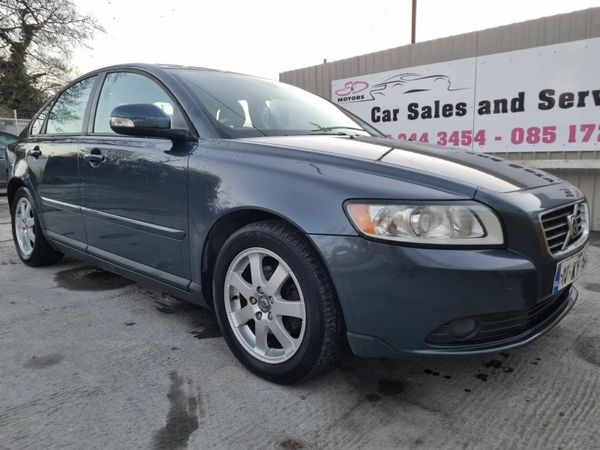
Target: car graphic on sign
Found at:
x=411, y=83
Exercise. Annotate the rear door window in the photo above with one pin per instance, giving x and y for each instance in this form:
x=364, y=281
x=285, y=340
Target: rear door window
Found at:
x=67, y=114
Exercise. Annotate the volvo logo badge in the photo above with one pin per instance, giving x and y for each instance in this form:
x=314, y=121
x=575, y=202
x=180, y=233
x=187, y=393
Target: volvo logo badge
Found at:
x=264, y=304
x=572, y=226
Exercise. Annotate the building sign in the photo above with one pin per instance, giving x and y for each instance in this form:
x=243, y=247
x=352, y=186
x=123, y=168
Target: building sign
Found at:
x=539, y=99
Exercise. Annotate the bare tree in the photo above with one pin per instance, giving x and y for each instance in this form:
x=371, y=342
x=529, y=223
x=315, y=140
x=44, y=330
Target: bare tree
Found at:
x=37, y=38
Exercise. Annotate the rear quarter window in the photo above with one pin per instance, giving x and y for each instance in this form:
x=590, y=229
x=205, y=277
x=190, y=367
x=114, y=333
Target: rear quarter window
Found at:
x=38, y=123
x=68, y=111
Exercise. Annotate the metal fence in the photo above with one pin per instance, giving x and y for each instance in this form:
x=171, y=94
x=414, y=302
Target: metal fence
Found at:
x=9, y=125
x=580, y=168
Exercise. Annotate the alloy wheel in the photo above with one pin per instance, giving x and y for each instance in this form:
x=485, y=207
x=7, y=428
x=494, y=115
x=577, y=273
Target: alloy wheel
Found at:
x=25, y=226
x=265, y=305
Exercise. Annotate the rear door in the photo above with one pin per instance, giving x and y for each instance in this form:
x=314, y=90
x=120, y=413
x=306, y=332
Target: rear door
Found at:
x=134, y=190
x=52, y=151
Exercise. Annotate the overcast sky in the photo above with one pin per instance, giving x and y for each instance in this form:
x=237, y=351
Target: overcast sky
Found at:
x=265, y=37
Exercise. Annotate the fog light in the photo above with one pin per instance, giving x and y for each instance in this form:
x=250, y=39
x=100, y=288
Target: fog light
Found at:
x=464, y=328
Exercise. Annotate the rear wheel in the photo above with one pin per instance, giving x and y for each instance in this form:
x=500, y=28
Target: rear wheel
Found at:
x=275, y=303
x=32, y=247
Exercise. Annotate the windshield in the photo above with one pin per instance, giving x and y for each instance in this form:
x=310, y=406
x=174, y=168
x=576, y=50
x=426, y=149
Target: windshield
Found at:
x=245, y=106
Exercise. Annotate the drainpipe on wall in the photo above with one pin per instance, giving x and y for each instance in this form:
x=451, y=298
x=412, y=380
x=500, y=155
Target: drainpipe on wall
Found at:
x=413, y=35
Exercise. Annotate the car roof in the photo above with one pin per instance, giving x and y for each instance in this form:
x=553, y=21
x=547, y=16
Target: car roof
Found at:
x=160, y=66
x=156, y=69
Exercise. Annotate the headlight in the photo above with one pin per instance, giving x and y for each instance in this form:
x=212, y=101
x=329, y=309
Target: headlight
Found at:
x=464, y=223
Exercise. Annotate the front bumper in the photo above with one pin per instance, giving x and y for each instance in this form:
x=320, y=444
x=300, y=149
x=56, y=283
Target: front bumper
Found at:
x=395, y=298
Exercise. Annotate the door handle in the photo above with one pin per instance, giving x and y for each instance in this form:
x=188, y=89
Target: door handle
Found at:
x=95, y=157
x=35, y=152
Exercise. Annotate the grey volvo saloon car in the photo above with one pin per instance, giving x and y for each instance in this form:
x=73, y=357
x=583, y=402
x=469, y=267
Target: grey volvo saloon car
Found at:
x=301, y=225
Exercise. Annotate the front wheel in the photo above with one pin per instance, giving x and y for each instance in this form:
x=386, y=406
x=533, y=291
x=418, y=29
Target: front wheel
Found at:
x=275, y=303
x=32, y=247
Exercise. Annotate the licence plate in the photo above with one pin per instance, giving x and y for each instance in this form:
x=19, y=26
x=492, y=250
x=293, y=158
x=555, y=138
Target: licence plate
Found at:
x=568, y=270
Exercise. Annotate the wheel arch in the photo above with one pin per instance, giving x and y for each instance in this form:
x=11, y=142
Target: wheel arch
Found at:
x=228, y=224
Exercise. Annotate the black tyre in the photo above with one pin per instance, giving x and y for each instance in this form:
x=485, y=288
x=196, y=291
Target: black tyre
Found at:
x=32, y=247
x=275, y=303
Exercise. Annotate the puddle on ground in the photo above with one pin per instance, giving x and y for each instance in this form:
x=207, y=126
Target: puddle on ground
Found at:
x=90, y=278
x=595, y=287
x=203, y=320
x=390, y=387
x=372, y=398
x=291, y=444
x=588, y=349
x=185, y=409
x=10, y=262
x=497, y=364
x=44, y=361
x=482, y=376
x=171, y=305
x=207, y=333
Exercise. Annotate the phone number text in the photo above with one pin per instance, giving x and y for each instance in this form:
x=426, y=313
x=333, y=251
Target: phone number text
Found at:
x=548, y=134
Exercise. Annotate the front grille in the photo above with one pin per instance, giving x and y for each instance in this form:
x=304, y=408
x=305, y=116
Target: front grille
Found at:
x=500, y=326
x=565, y=227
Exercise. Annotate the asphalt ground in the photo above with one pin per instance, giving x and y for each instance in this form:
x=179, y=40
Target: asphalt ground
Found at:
x=91, y=360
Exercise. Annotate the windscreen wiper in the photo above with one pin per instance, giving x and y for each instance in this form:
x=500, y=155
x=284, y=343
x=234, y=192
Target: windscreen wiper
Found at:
x=319, y=128
x=338, y=128
x=327, y=132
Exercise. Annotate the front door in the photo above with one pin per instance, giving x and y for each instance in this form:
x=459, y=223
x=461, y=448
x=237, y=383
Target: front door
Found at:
x=134, y=190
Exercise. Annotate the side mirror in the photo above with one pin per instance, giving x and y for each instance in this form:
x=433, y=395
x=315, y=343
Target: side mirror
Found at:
x=145, y=120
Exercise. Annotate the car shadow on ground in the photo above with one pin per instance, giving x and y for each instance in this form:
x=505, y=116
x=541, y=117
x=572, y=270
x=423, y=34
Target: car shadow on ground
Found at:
x=75, y=276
